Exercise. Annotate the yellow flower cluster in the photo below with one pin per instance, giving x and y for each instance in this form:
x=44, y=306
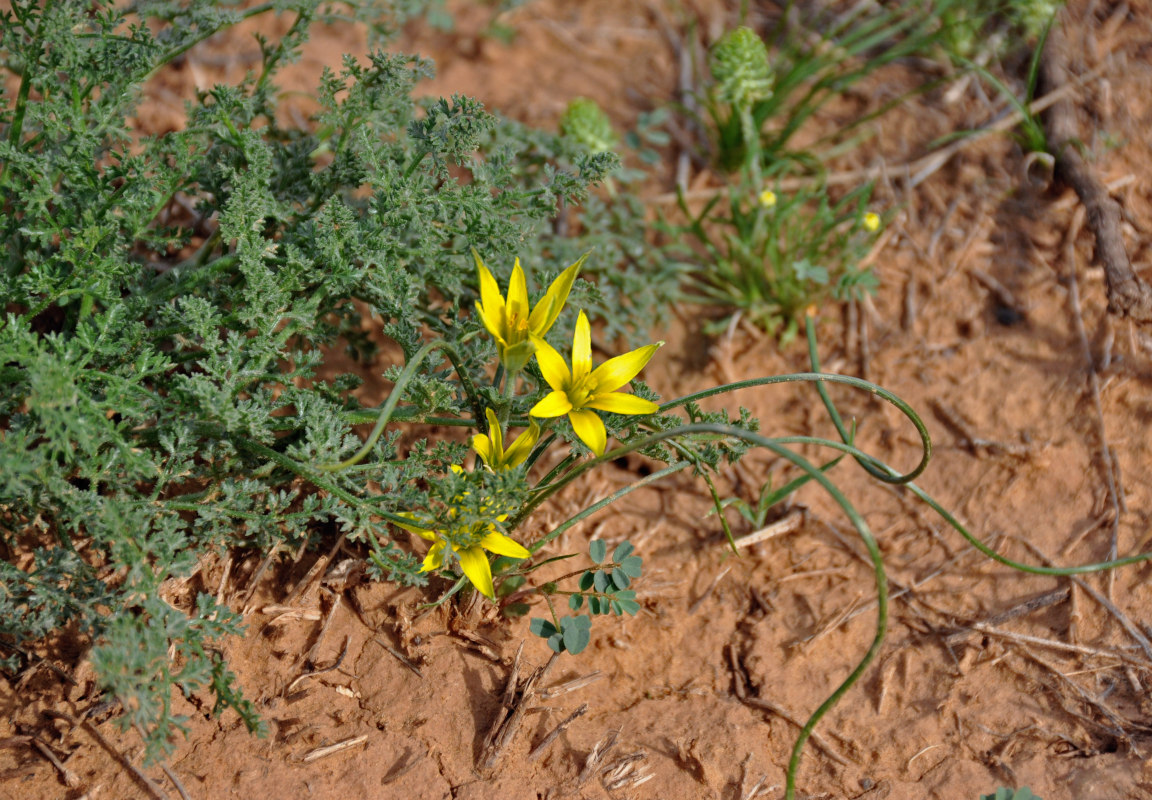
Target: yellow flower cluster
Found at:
x=519, y=334
x=468, y=542
x=519, y=328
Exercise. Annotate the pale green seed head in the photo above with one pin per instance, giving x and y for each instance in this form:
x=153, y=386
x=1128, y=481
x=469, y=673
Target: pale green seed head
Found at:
x=740, y=68
x=1033, y=15
x=587, y=123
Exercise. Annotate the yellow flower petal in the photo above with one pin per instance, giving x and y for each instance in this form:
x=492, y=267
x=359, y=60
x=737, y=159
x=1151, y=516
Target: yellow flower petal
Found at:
x=423, y=533
x=582, y=349
x=491, y=305
x=590, y=429
x=552, y=366
x=492, y=322
x=483, y=447
x=554, y=404
x=522, y=447
x=435, y=558
x=476, y=568
x=517, y=299
x=615, y=372
x=620, y=403
x=549, y=307
x=495, y=435
x=501, y=545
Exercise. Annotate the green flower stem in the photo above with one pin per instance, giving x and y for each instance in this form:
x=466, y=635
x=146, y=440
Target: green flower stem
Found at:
x=505, y=410
x=390, y=404
x=814, y=473
x=819, y=378
x=465, y=383
x=605, y=501
x=541, y=448
x=302, y=20
x=833, y=412
x=959, y=527
x=401, y=414
x=716, y=504
x=257, y=449
x=751, y=144
x=176, y=52
x=16, y=130
x=231, y=512
x=461, y=582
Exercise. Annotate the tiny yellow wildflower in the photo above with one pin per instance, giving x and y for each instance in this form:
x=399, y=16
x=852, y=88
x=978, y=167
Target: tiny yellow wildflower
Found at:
x=582, y=389
x=491, y=447
x=767, y=198
x=468, y=544
x=872, y=222
x=510, y=321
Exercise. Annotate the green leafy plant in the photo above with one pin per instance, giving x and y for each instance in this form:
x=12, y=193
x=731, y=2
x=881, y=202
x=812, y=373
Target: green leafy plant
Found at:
x=1004, y=793
x=169, y=304
x=757, y=102
x=604, y=590
x=770, y=255
x=172, y=304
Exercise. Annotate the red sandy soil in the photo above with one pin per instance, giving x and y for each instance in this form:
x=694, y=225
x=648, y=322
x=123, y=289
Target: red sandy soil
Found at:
x=703, y=683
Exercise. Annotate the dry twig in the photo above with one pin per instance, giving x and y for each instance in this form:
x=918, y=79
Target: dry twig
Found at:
x=313, y=673
x=513, y=706
x=738, y=677
x=403, y=659
x=1128, y=295
x=1020, y=609
x=555, y=732
x=332, y=749
x=71, y=780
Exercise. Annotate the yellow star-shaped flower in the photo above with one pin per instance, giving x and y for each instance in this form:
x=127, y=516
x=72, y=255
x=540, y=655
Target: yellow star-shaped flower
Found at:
x=578, y=391
x=468, y=545
x=510, y=320
x=491, y=447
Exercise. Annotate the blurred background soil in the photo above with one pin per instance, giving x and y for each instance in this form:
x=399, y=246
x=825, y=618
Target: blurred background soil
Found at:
x=1035, y=398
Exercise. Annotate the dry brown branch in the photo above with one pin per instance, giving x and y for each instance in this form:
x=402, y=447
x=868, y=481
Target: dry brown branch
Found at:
x=333, y=749
x=1118, y=725
x=313, y=673
x=625, y=772
x=1020, y=609
x=787, y=524
x=405, y=764
x=742, y=695
x=254, y=581
x=513, y=706
x=176, y=782
x=1107, y=461
x=1127, y=624
x=1053, y=644
x=708, y=592
x=571, y=686
x=555, y=732
x=71, y=780
x=403, y=659
x=1128, y=295
x=298, y=590
x=152, y=789
x=599, y=751
x=310, y=657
